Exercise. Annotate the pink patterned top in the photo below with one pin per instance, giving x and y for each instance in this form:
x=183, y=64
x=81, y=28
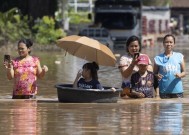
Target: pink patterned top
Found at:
x=25, y=74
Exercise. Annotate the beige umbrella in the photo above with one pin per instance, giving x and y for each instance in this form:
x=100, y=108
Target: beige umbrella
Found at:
x=87, y=48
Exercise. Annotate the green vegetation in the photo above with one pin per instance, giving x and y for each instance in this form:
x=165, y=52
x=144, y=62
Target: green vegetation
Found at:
x=46, y=32
x=15, y=26
x=79, y=17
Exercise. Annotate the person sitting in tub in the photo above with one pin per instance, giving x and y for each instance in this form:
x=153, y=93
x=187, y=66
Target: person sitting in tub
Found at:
x=87, y=78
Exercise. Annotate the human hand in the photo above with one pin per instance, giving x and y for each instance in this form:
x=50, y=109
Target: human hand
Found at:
x=45, y=68
x=138, y=94
x=134, y=61
x=79, y=74
x=8, y=65
x=177, y=75
x=113, y=89
x=159, y=76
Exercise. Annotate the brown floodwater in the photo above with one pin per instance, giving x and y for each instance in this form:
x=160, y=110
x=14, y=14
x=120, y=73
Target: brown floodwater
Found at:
x=130, y=116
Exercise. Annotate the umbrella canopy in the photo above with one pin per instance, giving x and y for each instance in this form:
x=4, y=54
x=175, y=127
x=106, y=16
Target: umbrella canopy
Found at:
x=88, y=49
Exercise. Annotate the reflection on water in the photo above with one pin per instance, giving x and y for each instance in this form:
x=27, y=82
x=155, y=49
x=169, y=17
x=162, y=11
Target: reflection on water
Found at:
x=132, y=117
x=24, y=118
x=19, y=117
x=169, y=119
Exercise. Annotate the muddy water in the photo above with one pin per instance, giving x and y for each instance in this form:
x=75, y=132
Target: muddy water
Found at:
x=133, y=117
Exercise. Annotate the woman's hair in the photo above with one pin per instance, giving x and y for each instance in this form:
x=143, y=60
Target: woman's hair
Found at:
x=27, y=42
x=168, y=35
x=93, y=67
x=132, y=39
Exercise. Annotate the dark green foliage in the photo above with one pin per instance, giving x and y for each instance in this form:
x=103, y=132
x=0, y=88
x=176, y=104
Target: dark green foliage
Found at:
x=32, y=8
x=79, y=17
x=46, y=32
x=13, y=26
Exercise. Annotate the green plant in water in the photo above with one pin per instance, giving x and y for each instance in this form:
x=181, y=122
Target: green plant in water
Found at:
x=46, y=32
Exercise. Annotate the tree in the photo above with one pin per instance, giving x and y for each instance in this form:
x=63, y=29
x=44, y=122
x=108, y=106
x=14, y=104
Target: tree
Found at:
x=33, y=8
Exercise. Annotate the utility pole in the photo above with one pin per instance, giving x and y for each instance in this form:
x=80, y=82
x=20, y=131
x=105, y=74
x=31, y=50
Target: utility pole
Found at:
x=75, y=5
x=91, y=6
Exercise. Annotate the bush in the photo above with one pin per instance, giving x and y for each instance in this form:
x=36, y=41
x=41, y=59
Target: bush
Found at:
x=13, y=26
x=45, y=32
x=78, y=18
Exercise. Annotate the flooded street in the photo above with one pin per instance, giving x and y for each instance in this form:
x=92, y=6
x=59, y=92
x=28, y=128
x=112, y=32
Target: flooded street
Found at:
x=46, y=116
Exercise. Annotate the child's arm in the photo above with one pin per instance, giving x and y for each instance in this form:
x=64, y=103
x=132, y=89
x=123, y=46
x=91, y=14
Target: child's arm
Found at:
x=138, y=94
x=79, y=74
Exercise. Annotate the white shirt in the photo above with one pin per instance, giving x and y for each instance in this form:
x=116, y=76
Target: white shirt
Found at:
x=125, y=62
